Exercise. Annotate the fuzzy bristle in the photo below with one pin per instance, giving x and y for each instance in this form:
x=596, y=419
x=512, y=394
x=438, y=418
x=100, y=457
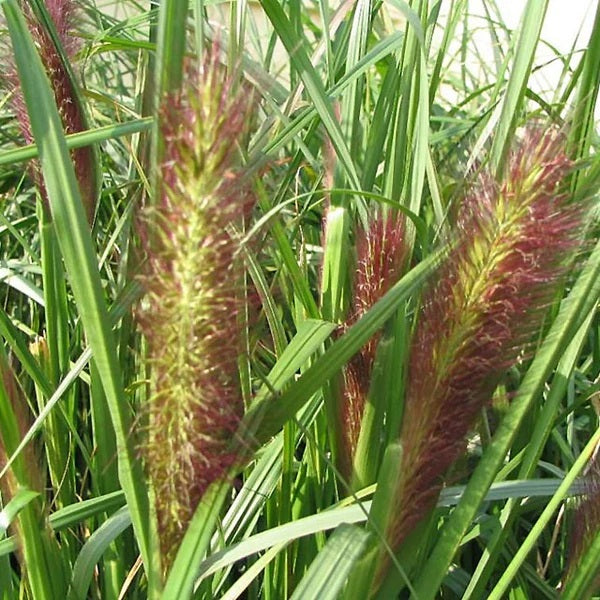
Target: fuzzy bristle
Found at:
x=64, y=15
x=515, y=241
x=380, y=256
x=190, y=314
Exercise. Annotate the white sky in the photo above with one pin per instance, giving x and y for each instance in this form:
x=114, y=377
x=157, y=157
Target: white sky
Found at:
x=567, y=25
x=567, y=22
x=563, y=19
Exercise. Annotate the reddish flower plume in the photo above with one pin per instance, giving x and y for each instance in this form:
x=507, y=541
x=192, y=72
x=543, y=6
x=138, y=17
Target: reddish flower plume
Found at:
x=190, y=314
x=64, y=15
x=515, y=241
x=380, y=256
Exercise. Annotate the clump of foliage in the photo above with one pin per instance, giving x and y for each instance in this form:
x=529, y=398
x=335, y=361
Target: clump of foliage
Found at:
x=295, y=304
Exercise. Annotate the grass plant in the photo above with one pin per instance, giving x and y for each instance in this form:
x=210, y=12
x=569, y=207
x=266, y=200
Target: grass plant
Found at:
x=298, y=300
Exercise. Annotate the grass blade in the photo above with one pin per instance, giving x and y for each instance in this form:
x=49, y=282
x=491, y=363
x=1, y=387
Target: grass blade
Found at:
x=327, y=574
x=574, y=310
x=528, y=37
x=586, y=572
x=80, y=262
x=267, y=417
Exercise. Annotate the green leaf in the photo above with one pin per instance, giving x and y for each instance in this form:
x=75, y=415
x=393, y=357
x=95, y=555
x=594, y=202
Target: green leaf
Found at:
x=359, y=513
x=524, y=52
x=129, y=295
x=327, y=574
x=73, y=514
x=532, y=452
x=80, y=261
x=94, y=548
x=170, y=52
x=16, y=504
x=314, y=86
x=40, y=553
x=585, y=573
x=80, y=139
x=588, y=567
x=380, y=518
x=266, y=418
x=180, y=581
x=310, y=337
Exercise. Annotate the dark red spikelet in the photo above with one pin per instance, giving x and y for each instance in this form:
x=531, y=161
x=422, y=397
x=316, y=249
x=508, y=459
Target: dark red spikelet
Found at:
x=189, y=316
x=64, y=15
x=515, y=242
x=380, y=258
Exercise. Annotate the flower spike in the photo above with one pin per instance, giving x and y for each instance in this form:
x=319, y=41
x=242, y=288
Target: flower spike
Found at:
x=190, y=315
x=515, y=243
x=64, y=15
x=380, y=256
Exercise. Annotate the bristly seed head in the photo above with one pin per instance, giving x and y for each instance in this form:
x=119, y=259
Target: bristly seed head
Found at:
x=515, y=241
x=64, y=15
x=380, y=257
x=189, y=316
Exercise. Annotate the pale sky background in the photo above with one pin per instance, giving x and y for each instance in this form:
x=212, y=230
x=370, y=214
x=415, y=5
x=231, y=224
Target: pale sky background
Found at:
x=565, y=20
x=567, y=25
